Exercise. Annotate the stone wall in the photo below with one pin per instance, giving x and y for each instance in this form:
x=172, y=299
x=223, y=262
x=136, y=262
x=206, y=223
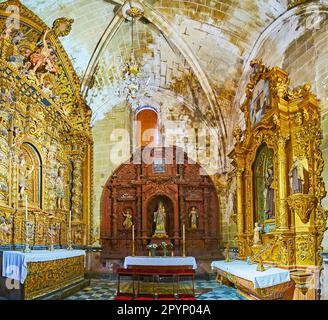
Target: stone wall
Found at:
x=103, y=155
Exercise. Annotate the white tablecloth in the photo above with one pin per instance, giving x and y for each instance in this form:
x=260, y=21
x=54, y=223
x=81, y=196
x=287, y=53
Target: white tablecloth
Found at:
x=160, y=261
x=14, y=263
x=267, y=278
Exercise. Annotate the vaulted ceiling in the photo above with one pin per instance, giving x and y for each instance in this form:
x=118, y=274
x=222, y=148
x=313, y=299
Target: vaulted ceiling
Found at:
x=190, y=51
x=208, y=38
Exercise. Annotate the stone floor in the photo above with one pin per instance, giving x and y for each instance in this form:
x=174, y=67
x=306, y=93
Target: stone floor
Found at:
x=205, y=290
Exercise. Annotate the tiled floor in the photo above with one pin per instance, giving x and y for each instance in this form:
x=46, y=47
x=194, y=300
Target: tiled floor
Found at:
x=205, y=290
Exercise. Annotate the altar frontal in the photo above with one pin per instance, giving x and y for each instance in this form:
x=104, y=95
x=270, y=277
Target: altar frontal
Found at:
x=40, y=273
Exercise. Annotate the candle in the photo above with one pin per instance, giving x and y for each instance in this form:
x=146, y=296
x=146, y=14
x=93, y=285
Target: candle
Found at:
x=183, y=240
x=26, y=213
x=70, y=220
x=132, y=232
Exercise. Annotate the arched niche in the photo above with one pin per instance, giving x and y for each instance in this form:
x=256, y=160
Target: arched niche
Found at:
x=263, y=184
x=152, y=206
x=147, y=127
x=30, y=175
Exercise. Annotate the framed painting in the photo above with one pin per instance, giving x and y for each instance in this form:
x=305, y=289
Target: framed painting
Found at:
x=260, y=102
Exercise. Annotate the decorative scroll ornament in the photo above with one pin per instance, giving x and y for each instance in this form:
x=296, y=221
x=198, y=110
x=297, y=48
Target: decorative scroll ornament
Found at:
x=62, y=27
x=302, y=205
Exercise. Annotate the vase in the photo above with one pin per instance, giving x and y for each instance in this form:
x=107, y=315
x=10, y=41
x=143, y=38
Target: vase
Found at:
x=153, y=252
x=164, y=252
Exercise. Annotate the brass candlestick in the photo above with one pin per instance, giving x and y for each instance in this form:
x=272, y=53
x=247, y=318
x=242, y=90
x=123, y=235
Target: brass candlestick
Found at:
x=260, y=266
x=27, y=246
x=227, y=255
x=133, y=248
x=183, y=240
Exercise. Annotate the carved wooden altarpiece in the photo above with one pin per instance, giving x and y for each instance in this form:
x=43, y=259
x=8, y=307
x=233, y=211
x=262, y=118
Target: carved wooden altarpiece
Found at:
x=140, y=188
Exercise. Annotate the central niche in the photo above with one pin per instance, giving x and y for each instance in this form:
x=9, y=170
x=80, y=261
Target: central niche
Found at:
x=152, y=207
x=263, y=175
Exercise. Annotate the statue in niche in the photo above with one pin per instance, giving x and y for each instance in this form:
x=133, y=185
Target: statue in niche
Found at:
x=269, y=200
x=159, y=219
x=24, y=173
x=127, y=223
x=297, y=173
x=60, y=189
x=193, y=215
x=257, y=234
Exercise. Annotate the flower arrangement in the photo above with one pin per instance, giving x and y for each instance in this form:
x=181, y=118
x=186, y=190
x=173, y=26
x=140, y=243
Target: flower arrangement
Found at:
x=152, y=246
x=164, y=246
x=152, y=249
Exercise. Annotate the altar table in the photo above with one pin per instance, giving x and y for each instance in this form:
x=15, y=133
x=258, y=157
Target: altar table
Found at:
x=40, y=272
x=273, y=283
x=160, y=261
x=156, y=268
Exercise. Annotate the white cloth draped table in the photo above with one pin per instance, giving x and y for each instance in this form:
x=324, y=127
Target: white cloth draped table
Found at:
x=270, y=277
x=160, y=261
x=14, y=263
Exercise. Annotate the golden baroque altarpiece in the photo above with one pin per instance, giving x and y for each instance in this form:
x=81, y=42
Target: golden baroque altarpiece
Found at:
x=46, y=143
x=278, y=166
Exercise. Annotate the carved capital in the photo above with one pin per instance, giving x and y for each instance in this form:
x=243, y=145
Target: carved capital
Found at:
x=281, y=140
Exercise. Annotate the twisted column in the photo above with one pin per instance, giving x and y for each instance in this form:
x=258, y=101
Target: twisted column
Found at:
x=77, y=193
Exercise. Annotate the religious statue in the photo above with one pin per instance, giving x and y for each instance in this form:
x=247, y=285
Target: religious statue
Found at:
x=257, y=234
x=42, y=57
x=296, y=175
x=5, y=229
x=127, y=223
x=159, y=219
x=269, y=201
x=193, y=215
x=5, y=41
x=230, y=209
x=78, y=235
x=52, y=231
x=24, y=173
x=60, y=189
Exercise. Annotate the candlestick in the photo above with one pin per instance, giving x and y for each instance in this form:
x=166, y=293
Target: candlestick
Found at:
x=70, y=231
x=133, y=248
x=27, y=247
x=26, y=212
x=183, y=240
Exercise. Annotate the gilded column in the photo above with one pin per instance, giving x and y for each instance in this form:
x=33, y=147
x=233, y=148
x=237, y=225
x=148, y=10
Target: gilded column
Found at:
x=240, y=213
x=282, y=186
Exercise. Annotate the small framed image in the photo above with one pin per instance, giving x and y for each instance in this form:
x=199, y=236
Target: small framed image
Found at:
x=158, y=166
